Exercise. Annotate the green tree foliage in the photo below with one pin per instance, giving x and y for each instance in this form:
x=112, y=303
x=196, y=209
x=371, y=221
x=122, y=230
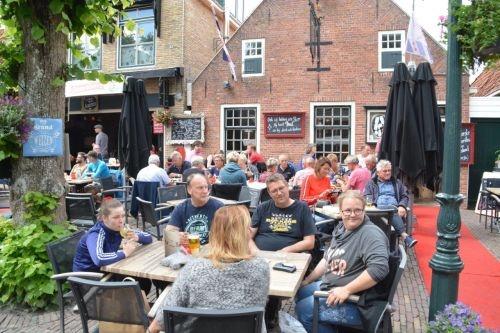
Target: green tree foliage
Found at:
x=25, y=269
x=77, y=17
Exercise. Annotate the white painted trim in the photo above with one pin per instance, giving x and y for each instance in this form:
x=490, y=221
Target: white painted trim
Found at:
x=484, y=107
x=243, y=57
x=494, y=94
x=257, y=123
x=379, y=48
x=352, y=104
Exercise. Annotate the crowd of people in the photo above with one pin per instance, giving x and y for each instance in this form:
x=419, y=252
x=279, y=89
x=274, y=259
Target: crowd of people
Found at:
x=355, y=261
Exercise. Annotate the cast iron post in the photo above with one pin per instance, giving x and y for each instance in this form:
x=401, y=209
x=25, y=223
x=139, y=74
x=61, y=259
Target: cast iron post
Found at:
x=446, y=263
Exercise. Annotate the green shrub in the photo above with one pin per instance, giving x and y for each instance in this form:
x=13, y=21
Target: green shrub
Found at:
x=6, y=226
x=25, y=269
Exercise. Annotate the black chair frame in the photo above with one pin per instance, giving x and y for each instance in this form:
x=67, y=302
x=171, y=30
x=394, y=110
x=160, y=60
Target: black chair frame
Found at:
x=149, y=214
x=86, y=201
x=227, y=191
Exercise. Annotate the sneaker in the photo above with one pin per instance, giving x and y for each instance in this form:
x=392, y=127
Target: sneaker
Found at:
x=410, y=242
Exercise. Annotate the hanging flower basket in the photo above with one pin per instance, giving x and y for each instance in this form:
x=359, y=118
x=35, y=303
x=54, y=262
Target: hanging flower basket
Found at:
x=164, y=116
x=15, y=127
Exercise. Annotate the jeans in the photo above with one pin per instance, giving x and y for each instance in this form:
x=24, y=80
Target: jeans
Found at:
x=396, y=222
x=329, y=316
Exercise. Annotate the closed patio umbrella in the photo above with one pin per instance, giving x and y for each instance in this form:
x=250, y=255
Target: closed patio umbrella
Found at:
x=400, y=139
x=134, y=133
x=429, y=124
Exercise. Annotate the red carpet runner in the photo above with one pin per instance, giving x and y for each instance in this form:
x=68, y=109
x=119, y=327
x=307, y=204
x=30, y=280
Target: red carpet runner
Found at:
x=479, y=284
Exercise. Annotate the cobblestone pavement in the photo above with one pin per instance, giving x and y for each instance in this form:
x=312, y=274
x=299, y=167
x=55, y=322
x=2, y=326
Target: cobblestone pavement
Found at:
x=411, y=299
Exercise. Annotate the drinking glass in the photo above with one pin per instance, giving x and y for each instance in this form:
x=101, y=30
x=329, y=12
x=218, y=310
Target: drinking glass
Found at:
x=124, y=231
x=194, y=243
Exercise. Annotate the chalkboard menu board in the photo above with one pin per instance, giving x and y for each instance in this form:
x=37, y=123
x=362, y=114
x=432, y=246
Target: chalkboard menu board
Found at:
x=284, y=125
x=187, y=129
x=467, y=139
x=89, y=103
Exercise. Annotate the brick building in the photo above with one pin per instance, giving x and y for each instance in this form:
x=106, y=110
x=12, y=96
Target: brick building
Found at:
x=169, y=46
x=360, y=43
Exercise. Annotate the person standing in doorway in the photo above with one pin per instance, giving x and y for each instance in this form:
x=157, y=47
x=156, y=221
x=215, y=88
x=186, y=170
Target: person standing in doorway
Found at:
x=101, y=139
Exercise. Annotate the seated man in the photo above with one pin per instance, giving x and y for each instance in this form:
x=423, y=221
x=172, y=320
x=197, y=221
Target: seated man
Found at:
x=80, y=166
x=271, y=169
x=100, y=246
x=384, y=190
x=285, y=167
x=197, y=167
x=301, y=175
x=281, y=224
x=178, y=165
x=358, y=176
x=153, y=172
x=195, y=214
x=96, y=168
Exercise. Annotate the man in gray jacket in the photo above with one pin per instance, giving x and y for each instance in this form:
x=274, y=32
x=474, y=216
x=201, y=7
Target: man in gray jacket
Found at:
x=101, y=139
x=383, y=190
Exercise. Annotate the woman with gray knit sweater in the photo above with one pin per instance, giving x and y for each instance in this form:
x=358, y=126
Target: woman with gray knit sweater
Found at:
x=229, y=277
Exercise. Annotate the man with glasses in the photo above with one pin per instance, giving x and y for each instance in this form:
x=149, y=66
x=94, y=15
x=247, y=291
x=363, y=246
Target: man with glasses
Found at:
x=383, y=190
x=194, y=215
x=281, y=224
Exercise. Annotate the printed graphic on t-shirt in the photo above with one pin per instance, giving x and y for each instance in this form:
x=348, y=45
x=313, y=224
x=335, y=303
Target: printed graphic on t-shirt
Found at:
x=281, y=222
x=198, y=224
x=336, y=265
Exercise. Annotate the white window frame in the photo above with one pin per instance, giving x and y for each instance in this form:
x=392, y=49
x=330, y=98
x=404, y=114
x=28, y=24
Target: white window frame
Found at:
x=244, y=57
x=119, y=44
x=352, y=104
x=402, y=48
x=70, y=54
x=223, y=107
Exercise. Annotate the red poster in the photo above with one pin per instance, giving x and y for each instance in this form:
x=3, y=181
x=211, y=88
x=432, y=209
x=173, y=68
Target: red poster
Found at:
x=157, y=127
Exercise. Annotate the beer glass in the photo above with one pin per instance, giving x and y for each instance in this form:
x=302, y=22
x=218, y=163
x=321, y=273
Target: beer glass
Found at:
x=194, y=243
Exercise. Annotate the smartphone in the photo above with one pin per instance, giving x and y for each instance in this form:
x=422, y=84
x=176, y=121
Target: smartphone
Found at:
x=284, y=267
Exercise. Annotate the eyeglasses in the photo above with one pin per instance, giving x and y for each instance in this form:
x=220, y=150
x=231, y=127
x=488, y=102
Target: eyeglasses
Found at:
x=279, y=189
x=356, y=211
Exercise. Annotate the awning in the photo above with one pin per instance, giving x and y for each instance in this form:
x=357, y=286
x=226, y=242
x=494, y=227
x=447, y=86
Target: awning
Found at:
x=78, y=88
x=153, y=73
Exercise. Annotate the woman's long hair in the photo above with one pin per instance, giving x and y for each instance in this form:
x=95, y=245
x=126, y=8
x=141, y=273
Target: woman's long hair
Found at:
x=229, y=235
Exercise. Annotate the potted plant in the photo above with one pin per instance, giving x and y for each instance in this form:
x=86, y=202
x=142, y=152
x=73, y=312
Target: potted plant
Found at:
x=15, y=128
x=164, y=116
x=476, y=27
x=456, y=318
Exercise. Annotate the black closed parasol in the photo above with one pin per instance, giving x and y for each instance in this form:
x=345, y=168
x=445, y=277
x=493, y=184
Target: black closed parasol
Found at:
x=429, y=124
x=135, y=133
x=400, y=140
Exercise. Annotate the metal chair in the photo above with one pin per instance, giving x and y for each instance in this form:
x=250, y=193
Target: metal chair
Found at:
x=187, y=320
x=149, y=214
x=397, y=264
x=227, y=191
x=81, y=210
x=61, y=253
x=382, y=218
x=115, y=302
x=172, y=193
x=145, y=190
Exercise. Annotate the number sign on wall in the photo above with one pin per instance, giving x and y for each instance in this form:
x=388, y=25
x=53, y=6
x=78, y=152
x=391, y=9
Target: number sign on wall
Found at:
x=187, y=129
x=284, y=125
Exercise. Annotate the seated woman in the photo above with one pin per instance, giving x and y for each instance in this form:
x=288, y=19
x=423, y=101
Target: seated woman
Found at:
x=317, y=186
x=357, y=259
x=209, y=282
x=100, y=246
x=271, y=169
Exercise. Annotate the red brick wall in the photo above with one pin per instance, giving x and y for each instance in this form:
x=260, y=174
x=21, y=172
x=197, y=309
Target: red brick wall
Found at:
x=353, y=28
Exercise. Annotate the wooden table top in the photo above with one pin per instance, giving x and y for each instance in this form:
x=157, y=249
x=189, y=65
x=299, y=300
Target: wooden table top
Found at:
x=334, y=211
x=175, y=203
x=145, y=262
x=494, y=190
x=79, y=181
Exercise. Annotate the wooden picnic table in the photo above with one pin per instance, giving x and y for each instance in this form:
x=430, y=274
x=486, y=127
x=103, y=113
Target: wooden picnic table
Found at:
x=145, y=263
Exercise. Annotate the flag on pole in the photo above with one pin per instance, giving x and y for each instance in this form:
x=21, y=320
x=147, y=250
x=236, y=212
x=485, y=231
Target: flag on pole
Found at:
x=415, y=42
x=225, y=53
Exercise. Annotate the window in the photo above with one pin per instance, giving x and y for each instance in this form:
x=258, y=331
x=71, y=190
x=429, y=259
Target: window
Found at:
x=240, y=126
x=91, y=51
x=390, y=49
x=332, y=130
x=253, y=57
x=137, y=46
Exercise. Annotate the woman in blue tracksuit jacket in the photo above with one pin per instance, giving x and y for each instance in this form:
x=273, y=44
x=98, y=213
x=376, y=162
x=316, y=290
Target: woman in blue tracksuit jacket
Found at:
x=100, y=246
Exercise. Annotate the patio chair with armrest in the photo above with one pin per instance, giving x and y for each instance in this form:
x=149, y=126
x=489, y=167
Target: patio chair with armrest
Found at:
x=381, y=218
x=149, y=214
x=112, y=302
x=397, y=264
x=145, y=190
x=61, y=253
x=227, y=191
x=81, y=210
x=165, y=194
x=187, y=320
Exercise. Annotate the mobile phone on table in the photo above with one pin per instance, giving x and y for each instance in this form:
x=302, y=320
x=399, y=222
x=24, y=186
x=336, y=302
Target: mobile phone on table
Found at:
x=280, y=266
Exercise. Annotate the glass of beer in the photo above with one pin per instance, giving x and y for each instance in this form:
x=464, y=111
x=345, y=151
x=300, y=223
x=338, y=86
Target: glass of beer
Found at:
x=124, y=231
x=194, y=243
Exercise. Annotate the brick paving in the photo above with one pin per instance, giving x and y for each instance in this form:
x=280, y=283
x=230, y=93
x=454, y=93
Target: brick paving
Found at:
x=411, y=300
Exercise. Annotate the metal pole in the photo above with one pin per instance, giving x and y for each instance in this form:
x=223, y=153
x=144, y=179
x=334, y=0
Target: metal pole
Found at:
x=446, y=263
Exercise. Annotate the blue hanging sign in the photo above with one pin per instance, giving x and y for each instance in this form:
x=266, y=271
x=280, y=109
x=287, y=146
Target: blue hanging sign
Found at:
x=46, y=138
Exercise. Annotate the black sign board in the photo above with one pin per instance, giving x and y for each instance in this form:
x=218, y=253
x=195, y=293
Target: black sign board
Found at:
x=89, y=103
x=467, y=144
x=187, y=130
x=284, y=125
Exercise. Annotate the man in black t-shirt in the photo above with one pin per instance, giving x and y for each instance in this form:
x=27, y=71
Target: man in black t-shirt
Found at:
x=281, y=224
